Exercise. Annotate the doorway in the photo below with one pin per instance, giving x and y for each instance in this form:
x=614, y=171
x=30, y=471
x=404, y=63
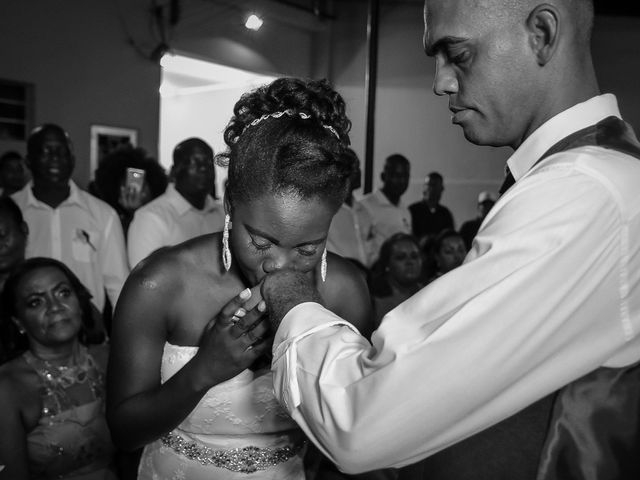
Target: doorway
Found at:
x=196, y=100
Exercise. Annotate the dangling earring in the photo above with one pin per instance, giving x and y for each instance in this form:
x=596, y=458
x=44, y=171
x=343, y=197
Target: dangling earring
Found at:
x=226, y=253
x=20, y=328
x=323, y=265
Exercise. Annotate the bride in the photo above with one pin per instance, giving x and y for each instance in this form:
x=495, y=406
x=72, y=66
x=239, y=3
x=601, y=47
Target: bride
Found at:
x=188, y=374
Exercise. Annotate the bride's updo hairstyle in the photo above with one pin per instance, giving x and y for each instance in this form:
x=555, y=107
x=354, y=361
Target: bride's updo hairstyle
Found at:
x=287, y=137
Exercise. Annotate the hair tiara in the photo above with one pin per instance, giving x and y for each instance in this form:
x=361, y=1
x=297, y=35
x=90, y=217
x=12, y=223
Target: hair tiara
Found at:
x=291, y=113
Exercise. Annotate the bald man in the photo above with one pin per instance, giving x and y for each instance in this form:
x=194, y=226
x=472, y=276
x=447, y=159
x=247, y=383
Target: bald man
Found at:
x=521, y=363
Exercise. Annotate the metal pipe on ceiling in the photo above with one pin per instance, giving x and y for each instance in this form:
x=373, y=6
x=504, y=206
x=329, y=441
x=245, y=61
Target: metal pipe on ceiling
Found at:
x=371, y=80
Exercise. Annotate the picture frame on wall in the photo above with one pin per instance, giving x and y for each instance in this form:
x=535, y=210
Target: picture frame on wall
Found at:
x=106, y=139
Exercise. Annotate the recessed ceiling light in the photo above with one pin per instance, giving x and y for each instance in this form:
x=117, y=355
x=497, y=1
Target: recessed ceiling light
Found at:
x=253, y=22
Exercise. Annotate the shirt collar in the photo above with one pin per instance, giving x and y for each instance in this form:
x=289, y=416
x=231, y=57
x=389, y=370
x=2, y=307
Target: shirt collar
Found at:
x=382, y=198
x=72, y=199
x=181, y=204
x=563, y=124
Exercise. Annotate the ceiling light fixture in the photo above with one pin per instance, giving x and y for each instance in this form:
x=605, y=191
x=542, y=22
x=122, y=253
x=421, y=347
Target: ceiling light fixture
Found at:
x=254, y=22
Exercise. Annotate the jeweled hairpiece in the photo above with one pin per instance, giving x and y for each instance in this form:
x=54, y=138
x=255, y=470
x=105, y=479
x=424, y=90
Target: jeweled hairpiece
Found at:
x=290, y=113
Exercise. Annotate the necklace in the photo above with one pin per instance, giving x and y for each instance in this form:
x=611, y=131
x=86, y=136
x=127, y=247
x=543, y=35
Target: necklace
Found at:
x=58, y=381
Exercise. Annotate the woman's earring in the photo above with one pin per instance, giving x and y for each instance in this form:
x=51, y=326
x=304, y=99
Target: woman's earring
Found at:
x=20, y=328
x=323, y=265
x=226, y=253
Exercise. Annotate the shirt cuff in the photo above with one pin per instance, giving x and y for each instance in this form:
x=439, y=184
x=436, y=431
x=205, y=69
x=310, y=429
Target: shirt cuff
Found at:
x=300, y=322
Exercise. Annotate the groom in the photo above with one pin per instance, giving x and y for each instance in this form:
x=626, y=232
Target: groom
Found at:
x=522, y=362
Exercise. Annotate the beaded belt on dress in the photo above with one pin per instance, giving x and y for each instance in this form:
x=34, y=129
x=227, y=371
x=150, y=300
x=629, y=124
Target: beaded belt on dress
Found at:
x=246, y=459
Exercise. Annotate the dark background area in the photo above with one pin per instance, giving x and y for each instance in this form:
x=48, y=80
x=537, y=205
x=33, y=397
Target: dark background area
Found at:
x=630, y=8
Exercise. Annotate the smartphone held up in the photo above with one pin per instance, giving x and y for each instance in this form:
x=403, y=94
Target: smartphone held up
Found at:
x=134, y=179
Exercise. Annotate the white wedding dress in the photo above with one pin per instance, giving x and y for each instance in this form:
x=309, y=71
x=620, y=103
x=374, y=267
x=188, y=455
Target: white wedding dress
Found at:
x=241, y=412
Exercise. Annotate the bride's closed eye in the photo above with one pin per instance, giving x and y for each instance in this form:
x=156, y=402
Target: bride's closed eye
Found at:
x=260, y=244
x=308, y=251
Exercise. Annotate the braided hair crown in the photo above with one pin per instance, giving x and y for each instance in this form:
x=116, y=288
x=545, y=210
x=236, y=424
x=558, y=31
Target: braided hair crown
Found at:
x=288, y=137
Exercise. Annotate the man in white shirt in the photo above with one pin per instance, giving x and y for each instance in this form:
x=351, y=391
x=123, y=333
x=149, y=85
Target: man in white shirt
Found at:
x=384, y=207
x=186, y=210
x=67, y=223
x=351, y=225
x=544, y=312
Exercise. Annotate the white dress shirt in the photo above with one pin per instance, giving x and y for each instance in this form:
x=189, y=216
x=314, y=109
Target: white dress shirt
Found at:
x=348, y=233
x=549, y=292
x=83, y=232
x=168, y=220
x=386, y=219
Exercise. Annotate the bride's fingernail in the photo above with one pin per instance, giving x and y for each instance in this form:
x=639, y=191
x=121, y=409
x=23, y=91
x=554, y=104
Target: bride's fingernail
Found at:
x=246, y=293
x=241, y=312
x=262, y=306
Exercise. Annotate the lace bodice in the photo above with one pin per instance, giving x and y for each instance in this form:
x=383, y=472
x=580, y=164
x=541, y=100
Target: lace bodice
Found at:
x=241, y=412
x=244, y=404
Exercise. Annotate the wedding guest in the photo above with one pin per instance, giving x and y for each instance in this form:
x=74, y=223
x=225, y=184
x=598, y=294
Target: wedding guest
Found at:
x=384, y=207
x=111, y=182
x=52, y=391
x=13, y=237
x=442, y=254
x=396, y=274
x=468, y=230
x=13, y=173
x=428, y=216
x=13, y=242
x=67, y=223
x=185, y=210
x=351, y=225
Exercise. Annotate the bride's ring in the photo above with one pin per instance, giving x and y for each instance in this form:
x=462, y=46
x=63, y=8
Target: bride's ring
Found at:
x=234, y=319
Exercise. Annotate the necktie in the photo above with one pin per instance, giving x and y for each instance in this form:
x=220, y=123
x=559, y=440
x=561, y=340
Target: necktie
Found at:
x=508, y=180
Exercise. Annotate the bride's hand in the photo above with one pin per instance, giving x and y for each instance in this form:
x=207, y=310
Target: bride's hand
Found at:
x=233, y=339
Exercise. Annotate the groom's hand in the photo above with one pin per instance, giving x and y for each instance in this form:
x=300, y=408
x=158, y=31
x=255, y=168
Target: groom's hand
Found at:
x=284, y=289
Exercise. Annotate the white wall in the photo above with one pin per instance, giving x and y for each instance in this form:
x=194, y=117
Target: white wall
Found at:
x=289, y=43
x=85, y=70
x=203, y=115
x=76, y=54
x=616, y=55
x=411, y=120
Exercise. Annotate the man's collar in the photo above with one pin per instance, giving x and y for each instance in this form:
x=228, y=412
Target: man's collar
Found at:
x=382, y=198
x=72, y=199
x=565, y=123
x=182, y=205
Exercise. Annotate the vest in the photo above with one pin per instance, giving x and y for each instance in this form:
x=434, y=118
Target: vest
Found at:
x=587, y=430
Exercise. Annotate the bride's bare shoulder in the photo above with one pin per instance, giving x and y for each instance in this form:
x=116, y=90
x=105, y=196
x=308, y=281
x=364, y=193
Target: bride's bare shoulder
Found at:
x=169, y=266
x=346, y=293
